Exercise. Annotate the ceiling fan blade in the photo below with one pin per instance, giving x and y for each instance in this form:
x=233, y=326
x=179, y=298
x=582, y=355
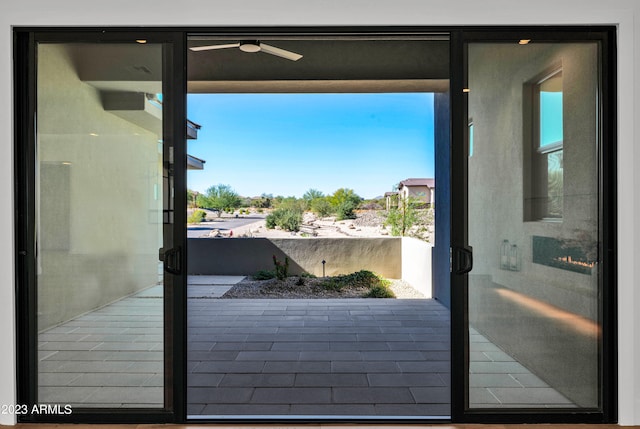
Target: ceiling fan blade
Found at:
x=210, y=47
x=280, y=52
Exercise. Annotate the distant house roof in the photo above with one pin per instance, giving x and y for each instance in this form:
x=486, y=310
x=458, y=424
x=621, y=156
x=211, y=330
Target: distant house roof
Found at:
x=391, y=194
x=431, y=183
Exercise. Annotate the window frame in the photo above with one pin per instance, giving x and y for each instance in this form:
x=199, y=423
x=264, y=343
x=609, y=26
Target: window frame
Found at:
x=536, y=157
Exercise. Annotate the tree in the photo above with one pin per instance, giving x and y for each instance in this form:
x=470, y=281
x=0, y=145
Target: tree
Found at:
x=263, y=201
x=220, y=197
x=312, y=198
x=192, y=198
x=403, y=217
x=312, y=194
x=344, y=201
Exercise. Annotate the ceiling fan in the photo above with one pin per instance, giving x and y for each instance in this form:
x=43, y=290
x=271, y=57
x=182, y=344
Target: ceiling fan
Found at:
x=252, y=46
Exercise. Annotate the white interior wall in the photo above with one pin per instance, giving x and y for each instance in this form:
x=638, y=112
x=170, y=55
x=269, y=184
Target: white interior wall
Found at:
x=624, y=13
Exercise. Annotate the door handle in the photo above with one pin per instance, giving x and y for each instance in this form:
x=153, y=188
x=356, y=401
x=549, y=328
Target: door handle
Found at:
x=172, y=260
x=462, y=260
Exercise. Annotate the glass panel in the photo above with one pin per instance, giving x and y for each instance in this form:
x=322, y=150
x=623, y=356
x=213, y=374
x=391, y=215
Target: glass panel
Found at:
x=550, y=92
x=555, y=184
x=99, y=225
x=534, y=306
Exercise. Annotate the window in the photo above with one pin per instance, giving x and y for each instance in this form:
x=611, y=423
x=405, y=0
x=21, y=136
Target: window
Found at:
x=544, y=198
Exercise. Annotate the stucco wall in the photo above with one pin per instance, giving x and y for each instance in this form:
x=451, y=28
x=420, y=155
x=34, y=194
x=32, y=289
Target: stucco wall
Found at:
x=623, y=13
x=102, y=242
x=244, y=256
x=416, y=265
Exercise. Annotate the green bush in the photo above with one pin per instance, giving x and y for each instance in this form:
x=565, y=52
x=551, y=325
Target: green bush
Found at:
x=264, y=275
x=359, y=279
x=379, y=291
x=345, y=210
x=321, y=207
x=288, y=219
x=197, y=216
x=281, y=270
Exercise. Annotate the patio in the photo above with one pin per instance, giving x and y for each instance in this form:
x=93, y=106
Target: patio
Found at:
x=330, y=357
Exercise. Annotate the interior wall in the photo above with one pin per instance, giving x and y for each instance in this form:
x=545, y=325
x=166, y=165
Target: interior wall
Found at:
x=623, y=13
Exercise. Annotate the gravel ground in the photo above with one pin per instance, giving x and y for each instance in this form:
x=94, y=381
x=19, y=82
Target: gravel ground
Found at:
x=288, y=288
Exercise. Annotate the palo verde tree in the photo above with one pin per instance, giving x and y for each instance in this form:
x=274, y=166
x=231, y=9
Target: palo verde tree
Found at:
x=344, y=201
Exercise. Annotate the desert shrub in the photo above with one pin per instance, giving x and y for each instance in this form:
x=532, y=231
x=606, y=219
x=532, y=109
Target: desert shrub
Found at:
x=379, y=291
x=300, y=281
x=264, y=275
x=197, y=216
x=345, y=210
x=288, y=219
x=281, y=270
x=359, y=279
x=321, y=207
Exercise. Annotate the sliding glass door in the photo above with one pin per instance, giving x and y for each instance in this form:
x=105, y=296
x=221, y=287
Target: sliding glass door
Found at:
x=106, y=251
x=532, y=267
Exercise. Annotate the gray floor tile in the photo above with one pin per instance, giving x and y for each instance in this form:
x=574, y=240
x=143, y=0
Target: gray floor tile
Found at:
x=292, y=395
x=297, y=367
x=425, y=410
x=333, y=409
x=302, y=346
x=431, y=395
x=112, y=380
x=400, y=380
x=537, y=395
x=244, y=410
x=268, y=356
x=227, y=395
x=425, y=366
x=492, y=380
x=364, y=367
x=331, y=380
x=228, y=366
x=257, y=380
x=372, y=395
x=248, y=346
x=204, y=380
x=278, y=357
x=128, y=395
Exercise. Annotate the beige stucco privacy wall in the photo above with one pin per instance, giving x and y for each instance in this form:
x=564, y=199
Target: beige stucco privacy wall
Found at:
x=625, y=14
x=245, y=256
x=403, y=258
x=416, y=264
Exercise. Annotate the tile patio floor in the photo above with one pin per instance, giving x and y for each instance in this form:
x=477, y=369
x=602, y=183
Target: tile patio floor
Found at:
x=359, y=357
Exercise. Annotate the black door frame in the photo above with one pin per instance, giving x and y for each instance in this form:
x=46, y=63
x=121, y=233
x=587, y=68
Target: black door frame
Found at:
x=24, y=46
x=174, y=90
x=607, y=212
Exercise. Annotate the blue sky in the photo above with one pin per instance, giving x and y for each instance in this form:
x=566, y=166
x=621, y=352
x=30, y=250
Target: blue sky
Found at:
x=285, y=144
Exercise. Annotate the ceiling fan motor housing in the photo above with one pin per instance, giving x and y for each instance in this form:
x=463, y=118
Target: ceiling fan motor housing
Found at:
x=250, y=46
